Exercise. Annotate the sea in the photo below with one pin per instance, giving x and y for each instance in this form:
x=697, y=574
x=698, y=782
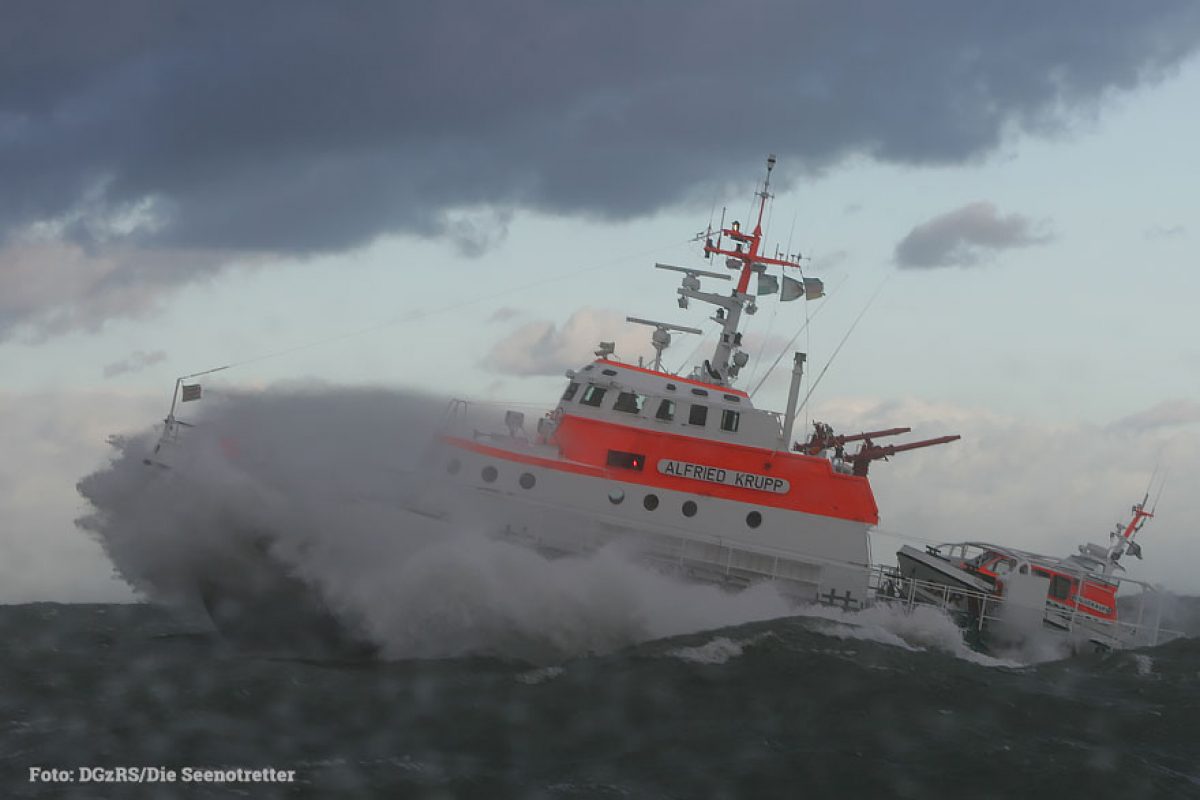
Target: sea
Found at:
x=383, y=657
x=790, y=707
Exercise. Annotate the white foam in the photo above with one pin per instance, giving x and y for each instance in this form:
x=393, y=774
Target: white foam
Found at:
x=541, y=675
x=320, y=481
x=922, y=628
x=717, y=651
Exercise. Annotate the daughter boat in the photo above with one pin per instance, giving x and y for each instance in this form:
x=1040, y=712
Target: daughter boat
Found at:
x=1013, y=596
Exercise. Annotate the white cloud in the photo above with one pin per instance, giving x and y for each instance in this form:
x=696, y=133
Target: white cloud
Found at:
x=53, y=440
x=1029, y=483
x=49, y=287
x=1167, y=414
x=544, y=348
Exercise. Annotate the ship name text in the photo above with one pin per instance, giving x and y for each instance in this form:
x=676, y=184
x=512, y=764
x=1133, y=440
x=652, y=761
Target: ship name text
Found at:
x=729, y=477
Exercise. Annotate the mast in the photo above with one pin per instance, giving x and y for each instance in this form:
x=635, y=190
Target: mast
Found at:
x=1122, y=538
x=744, y=255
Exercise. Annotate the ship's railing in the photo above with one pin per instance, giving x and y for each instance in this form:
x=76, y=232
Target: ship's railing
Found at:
x=890, y=587
x=734, y=565
x=984, y=609
x=710, y=558
x=466, y=418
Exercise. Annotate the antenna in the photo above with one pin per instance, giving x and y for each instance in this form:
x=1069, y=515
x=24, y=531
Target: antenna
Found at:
x=661, y=338
x=705, y=273
x=838, y=349
x=1160, y=489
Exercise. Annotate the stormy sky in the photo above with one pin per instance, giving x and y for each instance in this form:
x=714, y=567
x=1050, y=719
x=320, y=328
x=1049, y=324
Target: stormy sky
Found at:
x=145, y=143
x=467, y=197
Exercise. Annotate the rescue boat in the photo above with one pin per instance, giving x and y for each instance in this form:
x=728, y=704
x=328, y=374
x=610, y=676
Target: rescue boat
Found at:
x=685, y=471
x=1013, y=596
x=680, y=467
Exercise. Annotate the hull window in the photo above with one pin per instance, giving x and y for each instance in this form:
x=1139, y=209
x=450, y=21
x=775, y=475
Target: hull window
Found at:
x=616, y=496
x=454, y=466
x=650, y=502
x=489, y=474
x=689, y=508
x=527, y=480
x=754, y=519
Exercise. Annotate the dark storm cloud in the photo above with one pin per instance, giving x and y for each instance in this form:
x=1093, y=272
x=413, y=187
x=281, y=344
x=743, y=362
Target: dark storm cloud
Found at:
x=295, y=128
x=966, y=236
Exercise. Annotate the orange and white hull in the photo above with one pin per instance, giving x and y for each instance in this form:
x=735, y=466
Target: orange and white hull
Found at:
x=561, y=507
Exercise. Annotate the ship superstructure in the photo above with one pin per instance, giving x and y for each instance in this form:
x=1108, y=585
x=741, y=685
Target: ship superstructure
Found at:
x=683, y=467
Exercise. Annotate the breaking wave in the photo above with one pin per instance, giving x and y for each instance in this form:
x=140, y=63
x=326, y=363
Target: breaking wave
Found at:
x=282, y=516
x=287, y=509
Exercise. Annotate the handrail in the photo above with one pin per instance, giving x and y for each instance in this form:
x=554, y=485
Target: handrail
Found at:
x=890, y=587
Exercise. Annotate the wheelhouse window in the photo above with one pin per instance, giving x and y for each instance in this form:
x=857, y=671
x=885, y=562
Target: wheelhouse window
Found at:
x=1060, y=587
x=729, y=420
x=592, y=396
x=666, y=410
x=569, y=394
x=618, y=458
x=629, y=402
x=698, y=415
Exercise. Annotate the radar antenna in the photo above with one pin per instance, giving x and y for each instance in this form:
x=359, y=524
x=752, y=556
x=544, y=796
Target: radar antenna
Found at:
x=661, y=338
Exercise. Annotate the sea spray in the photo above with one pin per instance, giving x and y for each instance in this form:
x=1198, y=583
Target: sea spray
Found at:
x=291, y=504
x=308, y=487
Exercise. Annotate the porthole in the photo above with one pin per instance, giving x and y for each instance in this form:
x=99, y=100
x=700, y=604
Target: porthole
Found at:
x=489, y=474
x=527, y=480
x=616, y=496
x=650, y=502
x=754, y=519
x=454, y=466
x=689, y=508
